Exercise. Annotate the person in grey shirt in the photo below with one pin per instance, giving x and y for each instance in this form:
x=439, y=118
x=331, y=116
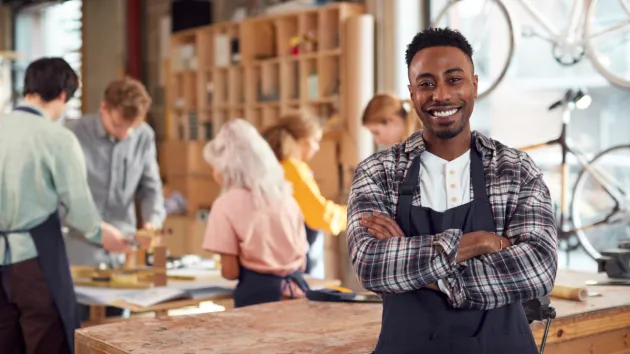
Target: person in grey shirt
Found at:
x=120, y=154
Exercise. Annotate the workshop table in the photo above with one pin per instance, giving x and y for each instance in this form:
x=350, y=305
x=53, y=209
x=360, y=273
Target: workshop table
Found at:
x=213, y=288
x=599, y=325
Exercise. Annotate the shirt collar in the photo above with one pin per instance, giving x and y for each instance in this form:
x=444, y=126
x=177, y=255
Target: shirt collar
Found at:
x=416, y=142
x=99, y=127
x=101, y=132
x=37, y=108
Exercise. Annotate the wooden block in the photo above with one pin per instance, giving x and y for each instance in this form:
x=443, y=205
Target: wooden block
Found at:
x=130, y=260
x=159, y=266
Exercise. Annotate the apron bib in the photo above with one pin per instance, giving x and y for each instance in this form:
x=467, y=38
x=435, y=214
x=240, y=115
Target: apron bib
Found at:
x=422, y=321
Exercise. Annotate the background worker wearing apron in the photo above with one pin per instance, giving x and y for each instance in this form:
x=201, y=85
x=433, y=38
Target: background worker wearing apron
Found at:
x=454, y=229
x=295, y=140
x=120, y=153
x=255, y=225
x=42, y=166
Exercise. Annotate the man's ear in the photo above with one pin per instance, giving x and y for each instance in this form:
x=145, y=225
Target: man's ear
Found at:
x=63, y=96
x=476, y=85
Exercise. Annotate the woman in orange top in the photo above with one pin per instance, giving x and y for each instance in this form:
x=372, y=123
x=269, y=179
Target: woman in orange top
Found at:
x=390, y=119
x=255, y=224
x=295, y=140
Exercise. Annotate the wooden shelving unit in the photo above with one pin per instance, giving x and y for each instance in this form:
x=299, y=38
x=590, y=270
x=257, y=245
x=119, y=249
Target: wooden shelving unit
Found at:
x=257, y=69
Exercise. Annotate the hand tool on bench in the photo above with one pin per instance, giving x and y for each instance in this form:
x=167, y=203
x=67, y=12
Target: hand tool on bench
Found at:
x=341, y=294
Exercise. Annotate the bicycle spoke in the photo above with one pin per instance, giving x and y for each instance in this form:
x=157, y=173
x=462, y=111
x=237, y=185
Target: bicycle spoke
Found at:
x=610, y=30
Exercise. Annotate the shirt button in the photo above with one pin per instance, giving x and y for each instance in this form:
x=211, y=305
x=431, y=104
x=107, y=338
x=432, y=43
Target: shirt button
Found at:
x=453, y=199
x=453, y=185
x=451, y=172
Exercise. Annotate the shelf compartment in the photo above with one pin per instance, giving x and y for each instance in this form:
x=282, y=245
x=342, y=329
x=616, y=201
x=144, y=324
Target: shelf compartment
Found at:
x=259, y=40
x=290, y=80
x=269, y=83
x=308, y=31
x=226, y=45
x=254, y=116
x=185, y=93
x=270, y=115
x=205, y=50
x=236, y=93
x=287, y=30
x=309, y=79
x=219, y=117
x=184, y=53
x=237, y=113
x=220, y=87
x=329, y=76
x=329, y=30
x=208, y=87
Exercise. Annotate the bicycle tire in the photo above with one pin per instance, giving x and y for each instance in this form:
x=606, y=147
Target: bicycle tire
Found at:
x=584, y=241
x=512, y=39
x=592, y=55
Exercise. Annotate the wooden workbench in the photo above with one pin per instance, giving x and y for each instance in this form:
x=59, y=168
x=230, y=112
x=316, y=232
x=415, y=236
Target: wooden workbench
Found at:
x=600, y=325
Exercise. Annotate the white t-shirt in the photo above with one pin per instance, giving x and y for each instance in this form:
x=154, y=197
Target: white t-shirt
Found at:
x=444, y=184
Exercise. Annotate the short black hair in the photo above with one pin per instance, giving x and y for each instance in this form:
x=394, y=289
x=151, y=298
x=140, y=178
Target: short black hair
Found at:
x=49, y=77
x=437, y=37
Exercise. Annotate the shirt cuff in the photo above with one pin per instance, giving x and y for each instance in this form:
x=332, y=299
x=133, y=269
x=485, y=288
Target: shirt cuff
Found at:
x=453, y=286
x=95, y=236
x=448, y=241
x=443, y=288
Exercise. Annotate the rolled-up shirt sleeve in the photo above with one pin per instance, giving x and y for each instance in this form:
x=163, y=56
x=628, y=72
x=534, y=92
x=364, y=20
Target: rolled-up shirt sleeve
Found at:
x=69, y=175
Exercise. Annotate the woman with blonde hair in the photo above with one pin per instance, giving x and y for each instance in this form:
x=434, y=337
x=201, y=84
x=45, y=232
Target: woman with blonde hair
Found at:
x=255, y=224
x=295, y=140
x=390, y=119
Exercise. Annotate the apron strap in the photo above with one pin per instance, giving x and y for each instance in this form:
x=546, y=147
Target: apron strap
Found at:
x=27, y=110
x=298, y=278
x=477, y=174
x=405, y=195
x=6, y=261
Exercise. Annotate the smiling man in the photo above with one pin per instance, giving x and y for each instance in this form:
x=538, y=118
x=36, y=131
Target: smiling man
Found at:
x=454, y=229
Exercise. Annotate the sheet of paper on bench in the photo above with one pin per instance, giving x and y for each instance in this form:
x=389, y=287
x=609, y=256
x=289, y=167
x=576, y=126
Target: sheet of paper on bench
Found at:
x=153, y=296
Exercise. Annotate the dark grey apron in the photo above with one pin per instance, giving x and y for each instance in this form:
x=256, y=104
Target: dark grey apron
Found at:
x=256, y=288
x=422, y=321
x=53, y=260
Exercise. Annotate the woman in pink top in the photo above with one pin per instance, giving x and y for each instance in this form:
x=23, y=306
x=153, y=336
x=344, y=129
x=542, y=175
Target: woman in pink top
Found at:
x=255, y=224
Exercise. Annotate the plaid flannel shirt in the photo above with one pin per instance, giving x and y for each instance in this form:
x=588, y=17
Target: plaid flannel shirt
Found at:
x=522, y=210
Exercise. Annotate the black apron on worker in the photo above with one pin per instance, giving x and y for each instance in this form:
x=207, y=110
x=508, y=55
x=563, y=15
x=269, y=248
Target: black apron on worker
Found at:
x=52, y=258
x=312, y=258
x=422, y=321
x=256, y=288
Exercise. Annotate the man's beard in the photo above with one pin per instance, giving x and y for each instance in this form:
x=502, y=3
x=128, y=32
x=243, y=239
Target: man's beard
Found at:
x=449, y=133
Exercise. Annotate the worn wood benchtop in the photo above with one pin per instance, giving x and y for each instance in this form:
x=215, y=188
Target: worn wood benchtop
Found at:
x=302, y=326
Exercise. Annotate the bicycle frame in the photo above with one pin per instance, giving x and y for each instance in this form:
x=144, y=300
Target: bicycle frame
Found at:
x=604, y=182
x=577, y=22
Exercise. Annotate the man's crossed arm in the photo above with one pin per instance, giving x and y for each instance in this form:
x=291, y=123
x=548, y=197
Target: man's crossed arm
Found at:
x=480, y=269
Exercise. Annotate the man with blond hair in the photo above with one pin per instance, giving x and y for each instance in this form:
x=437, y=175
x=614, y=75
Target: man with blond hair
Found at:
x=120, y=152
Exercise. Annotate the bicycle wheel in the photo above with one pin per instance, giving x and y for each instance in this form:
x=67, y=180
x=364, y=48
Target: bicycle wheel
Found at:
x=489, y=27
x=607, y=37
x=591, y=203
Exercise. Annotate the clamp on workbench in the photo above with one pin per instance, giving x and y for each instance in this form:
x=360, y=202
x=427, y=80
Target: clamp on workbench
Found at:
x=539, y=309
